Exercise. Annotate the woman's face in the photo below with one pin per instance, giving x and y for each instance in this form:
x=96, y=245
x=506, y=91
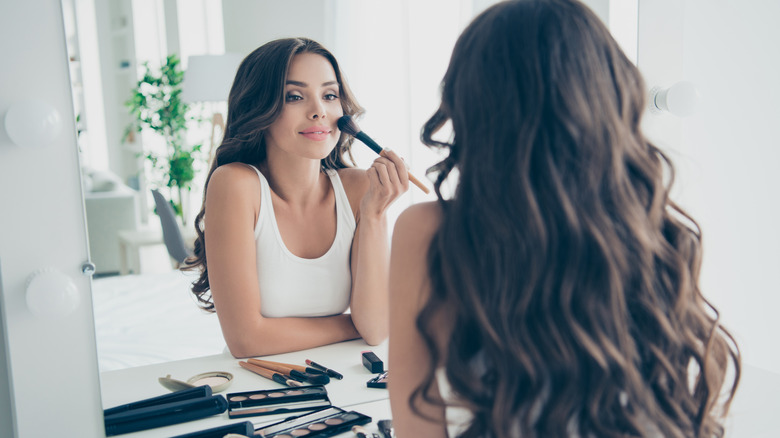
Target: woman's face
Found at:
x=307, y=125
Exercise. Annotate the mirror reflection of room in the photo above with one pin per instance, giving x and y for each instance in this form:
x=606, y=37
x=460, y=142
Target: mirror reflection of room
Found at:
x=139, y=208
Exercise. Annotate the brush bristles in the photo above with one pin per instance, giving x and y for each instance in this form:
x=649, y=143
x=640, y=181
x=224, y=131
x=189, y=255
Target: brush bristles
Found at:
x=319, y=379
x=348, y=126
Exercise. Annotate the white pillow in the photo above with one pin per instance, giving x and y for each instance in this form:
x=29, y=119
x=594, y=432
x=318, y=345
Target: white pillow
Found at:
x=103, y=181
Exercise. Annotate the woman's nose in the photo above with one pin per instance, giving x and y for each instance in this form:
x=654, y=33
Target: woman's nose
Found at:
x=317, y=111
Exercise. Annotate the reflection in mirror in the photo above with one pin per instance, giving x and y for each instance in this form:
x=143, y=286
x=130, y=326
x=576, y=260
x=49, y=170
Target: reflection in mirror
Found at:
x=393, y=53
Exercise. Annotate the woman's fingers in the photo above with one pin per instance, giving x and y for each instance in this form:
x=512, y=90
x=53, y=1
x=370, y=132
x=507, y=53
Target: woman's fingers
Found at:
x=383, y=170
x=388, y=179
x=399, y=166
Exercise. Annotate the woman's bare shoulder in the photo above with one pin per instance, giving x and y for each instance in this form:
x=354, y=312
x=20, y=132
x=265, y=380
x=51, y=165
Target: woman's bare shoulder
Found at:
x=234, y=183
x=354, y=180
x=418, y=223
x=234, y=176
x=233, y=173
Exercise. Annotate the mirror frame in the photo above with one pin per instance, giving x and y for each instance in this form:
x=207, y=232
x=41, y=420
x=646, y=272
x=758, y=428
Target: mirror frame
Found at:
x=50, y=382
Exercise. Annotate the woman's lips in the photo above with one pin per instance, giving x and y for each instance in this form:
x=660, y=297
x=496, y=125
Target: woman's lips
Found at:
x=317, y=133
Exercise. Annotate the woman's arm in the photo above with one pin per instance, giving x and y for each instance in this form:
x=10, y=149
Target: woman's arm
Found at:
x=387, y=179
x=232, y=208
x=409, y=360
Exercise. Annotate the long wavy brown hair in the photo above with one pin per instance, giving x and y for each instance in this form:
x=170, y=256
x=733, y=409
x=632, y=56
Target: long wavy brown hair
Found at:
x=255, y=102
x=570, y=277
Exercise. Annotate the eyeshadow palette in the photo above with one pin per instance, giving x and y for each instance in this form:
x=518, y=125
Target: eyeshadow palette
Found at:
x=277, y=401
x=325, y=422
x=378, y=381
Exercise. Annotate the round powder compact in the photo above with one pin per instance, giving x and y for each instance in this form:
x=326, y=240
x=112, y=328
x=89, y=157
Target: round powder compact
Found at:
x=217, y=380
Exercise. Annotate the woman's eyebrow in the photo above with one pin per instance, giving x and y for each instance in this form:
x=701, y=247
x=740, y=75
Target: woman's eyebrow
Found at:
x=304, y=84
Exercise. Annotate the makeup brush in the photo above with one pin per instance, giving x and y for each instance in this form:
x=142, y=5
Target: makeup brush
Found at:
x=317, y=379
x=350, y=127
x=332, y=373
x=300, y=368
x=270, y=374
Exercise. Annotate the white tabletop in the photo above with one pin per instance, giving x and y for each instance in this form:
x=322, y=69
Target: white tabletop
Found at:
x=752, y=414
x=133, y=384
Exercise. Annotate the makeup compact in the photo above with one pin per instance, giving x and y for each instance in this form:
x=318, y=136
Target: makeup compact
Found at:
x=277, y=401
x=325, y=422
x=242, y=429
x=378, y=381
x=217, y=380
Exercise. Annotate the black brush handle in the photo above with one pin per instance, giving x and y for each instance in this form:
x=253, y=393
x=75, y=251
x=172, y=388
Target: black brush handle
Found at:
x=319, y=379
x=362, y=136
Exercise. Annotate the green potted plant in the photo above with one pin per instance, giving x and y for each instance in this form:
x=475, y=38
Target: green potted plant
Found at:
x=156, y=105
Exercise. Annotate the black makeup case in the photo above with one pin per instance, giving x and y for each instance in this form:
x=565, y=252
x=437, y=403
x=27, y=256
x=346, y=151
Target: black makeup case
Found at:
x=325, y=422
x=277, y=401
x=245, y=428
x=178, y=407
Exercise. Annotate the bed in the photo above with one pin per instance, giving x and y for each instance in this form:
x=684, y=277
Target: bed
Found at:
x=151, y=318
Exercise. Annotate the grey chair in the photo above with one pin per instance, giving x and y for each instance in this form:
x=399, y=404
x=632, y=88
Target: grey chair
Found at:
x=174, y=241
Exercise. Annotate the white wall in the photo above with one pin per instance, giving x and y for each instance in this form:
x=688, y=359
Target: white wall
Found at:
x=726, y=153
x=251, y=23
x=731, y=151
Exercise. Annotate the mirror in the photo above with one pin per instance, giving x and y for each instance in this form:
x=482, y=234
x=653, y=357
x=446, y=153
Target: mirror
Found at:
x=393, y=54
x=108, y=41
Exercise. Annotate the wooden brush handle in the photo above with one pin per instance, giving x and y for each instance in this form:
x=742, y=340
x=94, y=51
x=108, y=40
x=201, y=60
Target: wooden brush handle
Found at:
x=268, y=374
x=268, y=363
x=412, y=178
x=276, y=366
x=417, y=182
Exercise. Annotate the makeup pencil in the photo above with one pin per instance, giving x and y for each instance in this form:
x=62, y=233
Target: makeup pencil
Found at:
x=317, y=379
x=350, y=127
x=332, y=373
x=270, y=374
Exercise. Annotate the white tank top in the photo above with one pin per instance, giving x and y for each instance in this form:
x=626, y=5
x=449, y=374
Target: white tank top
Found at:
x=291, y=286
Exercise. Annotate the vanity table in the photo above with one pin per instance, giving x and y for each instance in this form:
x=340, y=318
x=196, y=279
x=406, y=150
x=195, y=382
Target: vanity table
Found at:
x=752, y=413
x=133, y=384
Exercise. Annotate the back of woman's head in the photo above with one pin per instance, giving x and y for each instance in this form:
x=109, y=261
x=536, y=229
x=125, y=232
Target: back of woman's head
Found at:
x=572, y=278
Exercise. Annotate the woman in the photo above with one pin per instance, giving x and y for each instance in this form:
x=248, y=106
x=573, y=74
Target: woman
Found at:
x=556, y=293
x=289, y=237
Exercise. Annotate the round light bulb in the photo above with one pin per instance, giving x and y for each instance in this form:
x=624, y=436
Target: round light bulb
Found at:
x=50, y=293
x=681, y=99
x=32, y=123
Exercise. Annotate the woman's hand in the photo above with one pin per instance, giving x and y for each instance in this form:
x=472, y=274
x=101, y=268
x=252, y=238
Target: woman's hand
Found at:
x=388, y=180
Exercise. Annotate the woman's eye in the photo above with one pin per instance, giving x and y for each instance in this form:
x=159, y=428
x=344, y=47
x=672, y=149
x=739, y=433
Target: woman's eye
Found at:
x=331, y=96
x=293, y=98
